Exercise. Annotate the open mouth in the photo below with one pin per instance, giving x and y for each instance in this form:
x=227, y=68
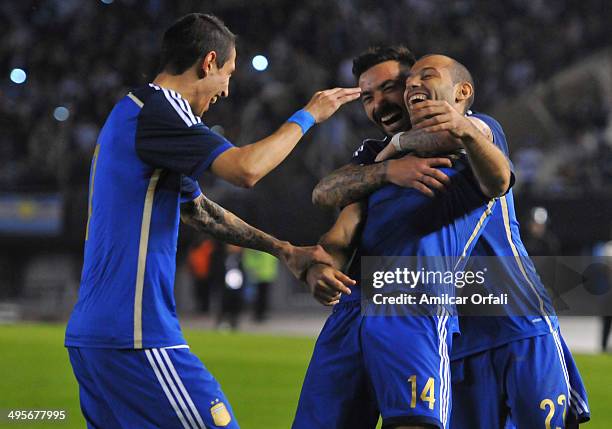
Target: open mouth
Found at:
x=214, y=99
x=416, y=98
x=391, y=117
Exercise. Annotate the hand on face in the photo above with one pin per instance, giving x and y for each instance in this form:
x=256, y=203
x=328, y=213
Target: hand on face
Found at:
x=391, y=117
x=327, y=284
x=437, y=115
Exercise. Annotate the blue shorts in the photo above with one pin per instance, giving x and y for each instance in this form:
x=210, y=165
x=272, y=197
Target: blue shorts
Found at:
x=522, y=384
x=151, y=388
x=361, y=367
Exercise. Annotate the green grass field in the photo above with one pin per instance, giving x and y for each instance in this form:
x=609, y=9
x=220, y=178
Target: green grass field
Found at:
x=261, y=375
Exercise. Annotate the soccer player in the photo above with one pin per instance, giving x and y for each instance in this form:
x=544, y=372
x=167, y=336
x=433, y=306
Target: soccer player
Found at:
x=397, y=364
x=488, y=388
x=131, y=361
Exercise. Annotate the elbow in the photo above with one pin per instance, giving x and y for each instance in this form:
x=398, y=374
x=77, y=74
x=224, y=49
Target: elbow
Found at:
x=248, y=181
x=246, y=177
x=497, y=187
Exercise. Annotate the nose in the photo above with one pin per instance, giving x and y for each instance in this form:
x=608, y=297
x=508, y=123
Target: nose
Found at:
x=413, y=82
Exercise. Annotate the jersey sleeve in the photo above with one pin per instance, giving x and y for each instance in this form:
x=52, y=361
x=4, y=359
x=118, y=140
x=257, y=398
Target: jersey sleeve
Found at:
x=190, y=189
x=366, y=153
x=169, y=136
x=499, y=139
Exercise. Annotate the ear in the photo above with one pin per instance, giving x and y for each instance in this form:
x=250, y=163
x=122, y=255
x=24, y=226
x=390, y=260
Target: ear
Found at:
x=463, y=91
x=209, y=62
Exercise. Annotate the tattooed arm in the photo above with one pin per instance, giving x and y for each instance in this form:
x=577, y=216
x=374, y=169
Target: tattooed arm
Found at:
x=421, y=143
x=349, y=184
x=352, y=183
x=207, y=216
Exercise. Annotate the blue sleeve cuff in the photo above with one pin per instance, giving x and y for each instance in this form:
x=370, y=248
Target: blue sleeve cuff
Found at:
x=303, y=118
x=190, y=189
x=209, y=160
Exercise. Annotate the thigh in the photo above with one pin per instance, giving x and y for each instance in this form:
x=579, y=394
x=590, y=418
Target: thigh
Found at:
x=154, y=388
x=536, y=381
x=335, y=393
x=478, y=398
x=95, y=409
x=407, y=359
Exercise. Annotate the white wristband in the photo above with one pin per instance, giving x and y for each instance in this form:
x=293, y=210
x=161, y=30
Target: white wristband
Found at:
x=395, y=141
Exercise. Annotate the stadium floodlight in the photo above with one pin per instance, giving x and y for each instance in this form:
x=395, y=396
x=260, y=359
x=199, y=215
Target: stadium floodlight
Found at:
x=234, y=279
x=540, y=215
x=260, y=63
x=61, y=113
x=18, y=75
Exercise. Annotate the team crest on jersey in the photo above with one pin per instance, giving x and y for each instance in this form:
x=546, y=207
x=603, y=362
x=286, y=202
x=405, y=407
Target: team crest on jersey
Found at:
x=220, y=415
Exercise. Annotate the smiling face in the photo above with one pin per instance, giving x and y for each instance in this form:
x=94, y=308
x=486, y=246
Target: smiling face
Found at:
x=215, y=84
x=382, y=90
x=430, y=78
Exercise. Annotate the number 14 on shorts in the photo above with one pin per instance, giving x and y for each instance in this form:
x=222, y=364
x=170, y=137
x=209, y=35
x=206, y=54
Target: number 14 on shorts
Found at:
x=427, y=394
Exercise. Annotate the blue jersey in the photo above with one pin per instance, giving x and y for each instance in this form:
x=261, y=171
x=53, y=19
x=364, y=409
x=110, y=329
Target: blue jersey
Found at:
x=404, y=222
x=510, y=270
x=384, y=352
x=148, y=155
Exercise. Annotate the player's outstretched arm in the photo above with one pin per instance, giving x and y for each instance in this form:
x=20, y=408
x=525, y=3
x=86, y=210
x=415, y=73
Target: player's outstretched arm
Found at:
x=326, y=282
x=355, y=182
x=207, y=216
x=246, y=165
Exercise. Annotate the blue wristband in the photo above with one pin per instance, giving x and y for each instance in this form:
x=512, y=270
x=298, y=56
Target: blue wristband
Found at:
x=303, y=118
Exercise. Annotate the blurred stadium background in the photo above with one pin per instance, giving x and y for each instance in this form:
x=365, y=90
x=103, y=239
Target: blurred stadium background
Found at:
x=543, y=68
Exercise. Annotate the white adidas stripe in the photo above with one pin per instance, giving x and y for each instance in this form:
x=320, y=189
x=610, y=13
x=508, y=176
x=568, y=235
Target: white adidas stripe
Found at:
x=174, y=389
x=441, y=370
x=179, y=104
x=582, y=402
x=447, y=384
x=177, y=108
x=573, y=405
x=181, y=386
x=561, y=356
x=185, y=106
x=444, y=367
x=160, y=378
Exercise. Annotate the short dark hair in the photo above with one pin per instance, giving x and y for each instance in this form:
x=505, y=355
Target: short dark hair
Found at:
x=191, y=38
x=460, y=74
x=379, y=54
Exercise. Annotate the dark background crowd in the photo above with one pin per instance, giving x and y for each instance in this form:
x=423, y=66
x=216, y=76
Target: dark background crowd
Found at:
x=542, y=67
